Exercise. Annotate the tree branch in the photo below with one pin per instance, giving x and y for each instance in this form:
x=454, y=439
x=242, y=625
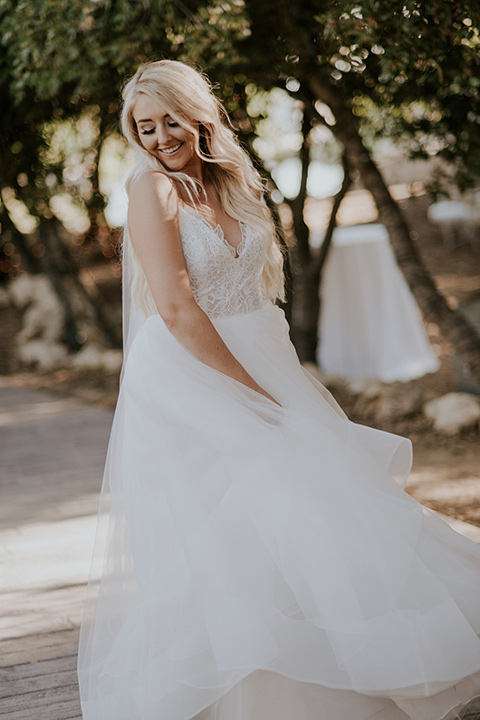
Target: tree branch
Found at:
x=337, y=201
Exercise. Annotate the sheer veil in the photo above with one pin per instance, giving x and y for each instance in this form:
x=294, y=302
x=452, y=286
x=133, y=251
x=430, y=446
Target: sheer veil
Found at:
x=111, y=571
x=132, y=315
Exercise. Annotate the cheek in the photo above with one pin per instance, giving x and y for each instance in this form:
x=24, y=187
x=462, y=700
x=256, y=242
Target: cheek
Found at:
x=189, y=140
x=146, y=140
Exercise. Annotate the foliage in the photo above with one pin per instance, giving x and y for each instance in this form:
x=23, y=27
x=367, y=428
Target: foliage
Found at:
x=409, y=69
x=417, y=63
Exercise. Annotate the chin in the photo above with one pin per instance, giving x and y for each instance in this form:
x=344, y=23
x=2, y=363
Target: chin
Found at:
x=172, y=167
x=175, y=163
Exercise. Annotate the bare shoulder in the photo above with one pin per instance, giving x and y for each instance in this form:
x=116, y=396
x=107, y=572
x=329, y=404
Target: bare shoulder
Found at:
x=153, y=192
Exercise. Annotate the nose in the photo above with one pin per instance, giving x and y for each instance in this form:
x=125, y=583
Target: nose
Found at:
x=162, y=133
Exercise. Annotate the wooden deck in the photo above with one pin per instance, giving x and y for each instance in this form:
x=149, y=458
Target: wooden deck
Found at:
x=52, y=453
x=51, y=458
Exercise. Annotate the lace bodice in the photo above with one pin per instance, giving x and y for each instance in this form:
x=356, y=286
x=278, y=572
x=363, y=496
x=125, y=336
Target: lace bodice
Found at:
x=224, y=281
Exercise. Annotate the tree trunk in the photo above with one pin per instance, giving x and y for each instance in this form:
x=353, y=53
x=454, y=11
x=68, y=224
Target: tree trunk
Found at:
x=287, y=263
x=287, y=260
x=311, y=277
x=68, y=267
x=29, y=261
x=306, y=281
x=326, y=245
x=57, y=263
x=304, y=336
x=452, y=324
x=50, y=266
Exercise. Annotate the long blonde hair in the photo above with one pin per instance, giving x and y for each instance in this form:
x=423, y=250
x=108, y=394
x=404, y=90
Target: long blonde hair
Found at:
x=186, y=95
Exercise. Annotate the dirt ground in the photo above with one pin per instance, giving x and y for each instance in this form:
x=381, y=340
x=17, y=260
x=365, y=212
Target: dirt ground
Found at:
x=446, y=472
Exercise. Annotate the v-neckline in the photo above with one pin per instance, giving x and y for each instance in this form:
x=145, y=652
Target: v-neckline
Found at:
x=218, y=230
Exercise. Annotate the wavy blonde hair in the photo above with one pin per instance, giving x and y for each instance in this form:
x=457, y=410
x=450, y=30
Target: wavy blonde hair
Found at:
x=186, y=95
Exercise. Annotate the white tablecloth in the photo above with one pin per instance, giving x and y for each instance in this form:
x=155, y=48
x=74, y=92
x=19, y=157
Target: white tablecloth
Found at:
x=370, y=325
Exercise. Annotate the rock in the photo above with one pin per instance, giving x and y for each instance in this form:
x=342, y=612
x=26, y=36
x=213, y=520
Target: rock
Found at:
x=453, y=412
x=366, y=386
x=43, y=355
x=4, y=299
x=89, y=358
x=39, y=342
x=404, y=403
x=112, y=360
x=384, y=402
x=42, y=314
x=93, y=357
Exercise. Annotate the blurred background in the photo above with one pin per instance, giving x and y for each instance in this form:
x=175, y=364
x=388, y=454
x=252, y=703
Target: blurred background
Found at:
x=364, y=121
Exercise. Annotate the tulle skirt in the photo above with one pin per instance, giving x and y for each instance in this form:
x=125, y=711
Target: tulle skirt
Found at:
x=260, y=562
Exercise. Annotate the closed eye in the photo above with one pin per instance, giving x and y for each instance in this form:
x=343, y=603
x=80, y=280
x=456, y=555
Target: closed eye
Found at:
x=171, y=124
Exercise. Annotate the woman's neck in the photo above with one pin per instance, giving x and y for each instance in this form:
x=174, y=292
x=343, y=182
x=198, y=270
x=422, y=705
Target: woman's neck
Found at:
x=195, y=169
x=207, y=194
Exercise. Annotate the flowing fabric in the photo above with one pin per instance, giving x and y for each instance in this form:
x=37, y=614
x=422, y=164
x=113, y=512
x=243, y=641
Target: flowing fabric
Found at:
x=258, y=562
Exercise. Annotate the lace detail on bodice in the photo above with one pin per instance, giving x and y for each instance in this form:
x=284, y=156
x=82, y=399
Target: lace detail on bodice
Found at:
x=224, y=280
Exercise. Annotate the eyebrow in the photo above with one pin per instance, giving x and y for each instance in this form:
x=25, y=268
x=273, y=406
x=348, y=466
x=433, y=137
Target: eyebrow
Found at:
x=144, y=120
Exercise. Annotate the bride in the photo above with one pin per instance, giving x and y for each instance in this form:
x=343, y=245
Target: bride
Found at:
x=256, y=557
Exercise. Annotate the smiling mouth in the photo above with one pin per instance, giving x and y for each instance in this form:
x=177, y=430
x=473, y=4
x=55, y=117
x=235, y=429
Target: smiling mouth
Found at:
x=172, y=149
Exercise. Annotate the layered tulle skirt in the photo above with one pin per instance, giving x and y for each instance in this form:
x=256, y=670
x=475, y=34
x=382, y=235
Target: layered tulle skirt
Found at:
x=260, y=562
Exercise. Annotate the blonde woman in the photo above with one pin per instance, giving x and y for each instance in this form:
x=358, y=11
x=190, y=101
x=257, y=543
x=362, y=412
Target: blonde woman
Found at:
x=259, y=559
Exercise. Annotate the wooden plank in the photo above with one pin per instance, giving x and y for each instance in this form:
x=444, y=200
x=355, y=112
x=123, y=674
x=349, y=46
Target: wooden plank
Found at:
x=36, y=669
x=61, y=615
x=66, y=710
x=45, y=646
x=40, y=698
x=472, y=711
x=22, y=686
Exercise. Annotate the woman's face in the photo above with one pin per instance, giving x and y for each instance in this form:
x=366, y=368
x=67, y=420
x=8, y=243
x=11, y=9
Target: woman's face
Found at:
x=162, y=136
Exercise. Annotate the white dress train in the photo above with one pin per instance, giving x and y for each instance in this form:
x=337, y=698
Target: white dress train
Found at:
x=260, y=562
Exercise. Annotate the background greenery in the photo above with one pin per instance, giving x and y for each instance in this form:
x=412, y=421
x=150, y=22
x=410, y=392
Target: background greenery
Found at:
x=406, y=70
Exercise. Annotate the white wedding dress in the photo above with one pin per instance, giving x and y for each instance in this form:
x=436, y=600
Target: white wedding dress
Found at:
x=260, y=562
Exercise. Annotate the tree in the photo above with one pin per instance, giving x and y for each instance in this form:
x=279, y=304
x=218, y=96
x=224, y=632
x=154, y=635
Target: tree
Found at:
x=410, y=61
x=391, y=56
x=61, y=68
x=62, y=63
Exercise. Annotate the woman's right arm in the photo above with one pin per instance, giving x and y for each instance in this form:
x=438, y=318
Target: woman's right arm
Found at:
x=155, y=235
